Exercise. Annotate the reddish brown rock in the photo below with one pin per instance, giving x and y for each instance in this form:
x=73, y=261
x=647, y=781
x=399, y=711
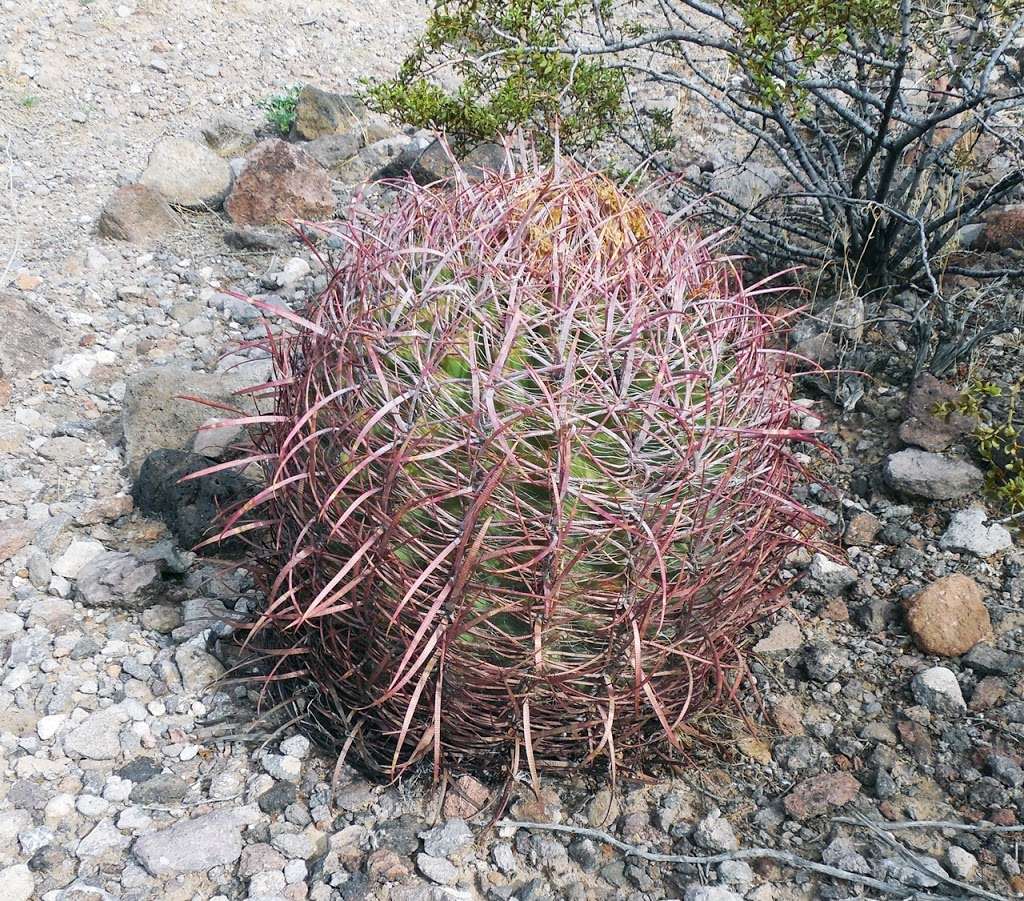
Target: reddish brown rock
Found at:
x=384, y=865
x=821, y=794
x=1004, y=229
x=137, y=213
x=987, y=693
x=948, y=617
x=788, y=715
x=784, y=638
x=545, y=808
x=465, y=798
x=1004, y=817
x=927, y=428
x=890, y=811
x=861, y=530
x=837, y=611
x=105, y=509
x=915, y=739
x=280, y=182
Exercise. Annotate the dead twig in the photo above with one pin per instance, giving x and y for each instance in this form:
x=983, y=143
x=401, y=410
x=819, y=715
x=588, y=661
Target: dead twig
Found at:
x=783, y=857
x=931, y=824
x=938, y=874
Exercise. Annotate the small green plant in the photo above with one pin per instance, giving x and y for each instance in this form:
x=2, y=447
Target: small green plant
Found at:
x=1001, y=445
x=969, y=401
x=30, y=101
x=998, y=438
x=280, y=109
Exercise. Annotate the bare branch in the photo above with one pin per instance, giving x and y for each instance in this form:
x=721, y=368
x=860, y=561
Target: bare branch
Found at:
x=784, y=857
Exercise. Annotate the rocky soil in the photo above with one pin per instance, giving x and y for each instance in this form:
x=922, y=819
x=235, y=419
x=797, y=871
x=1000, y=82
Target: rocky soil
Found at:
x=138, y=201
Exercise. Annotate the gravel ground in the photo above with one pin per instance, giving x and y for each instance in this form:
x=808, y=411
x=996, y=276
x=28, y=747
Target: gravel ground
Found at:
x=892, y=689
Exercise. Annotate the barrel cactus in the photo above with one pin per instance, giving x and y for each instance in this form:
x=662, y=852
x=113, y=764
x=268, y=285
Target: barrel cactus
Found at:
x=528, y=479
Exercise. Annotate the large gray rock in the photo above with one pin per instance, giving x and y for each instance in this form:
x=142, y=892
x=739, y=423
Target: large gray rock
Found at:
x=29, y=339
x=912, y=874
x=96, y=737
x=745, y=185
x=841, y=852
x=710, y=893
x=715, y=833
x=937, y=689
x=447, y=838
x=77, y=556
x=198, y=844
x=437, y=869
x=931, y=475
x=155, y=415
x=199, y=670
x=188, y=174
x=228, y=136
x=376, y=159
x=962, y=864
x=332, y=150
x=990, y=661
x=103, y=840
x=436, y=162
x=119, y=579
x=968, y=532
x=137, y=214
x=828, y=577
x=17, y=883
x=319, y=113
x=15, y=535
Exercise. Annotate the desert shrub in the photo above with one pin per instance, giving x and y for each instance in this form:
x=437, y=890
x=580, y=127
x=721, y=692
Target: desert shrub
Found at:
x=998, y=437
x=506, y=77
x=892, y=124
x=528, y=479
x=280, y=109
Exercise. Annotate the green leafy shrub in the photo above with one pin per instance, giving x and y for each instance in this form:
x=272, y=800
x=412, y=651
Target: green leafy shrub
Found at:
x=998, y=437
x=507, y=80
x=280, y=109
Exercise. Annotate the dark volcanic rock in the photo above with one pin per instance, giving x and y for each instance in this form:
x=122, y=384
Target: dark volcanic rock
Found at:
x=191, y=508
x=436, y=163
x=163, y=788
x=277, y=798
